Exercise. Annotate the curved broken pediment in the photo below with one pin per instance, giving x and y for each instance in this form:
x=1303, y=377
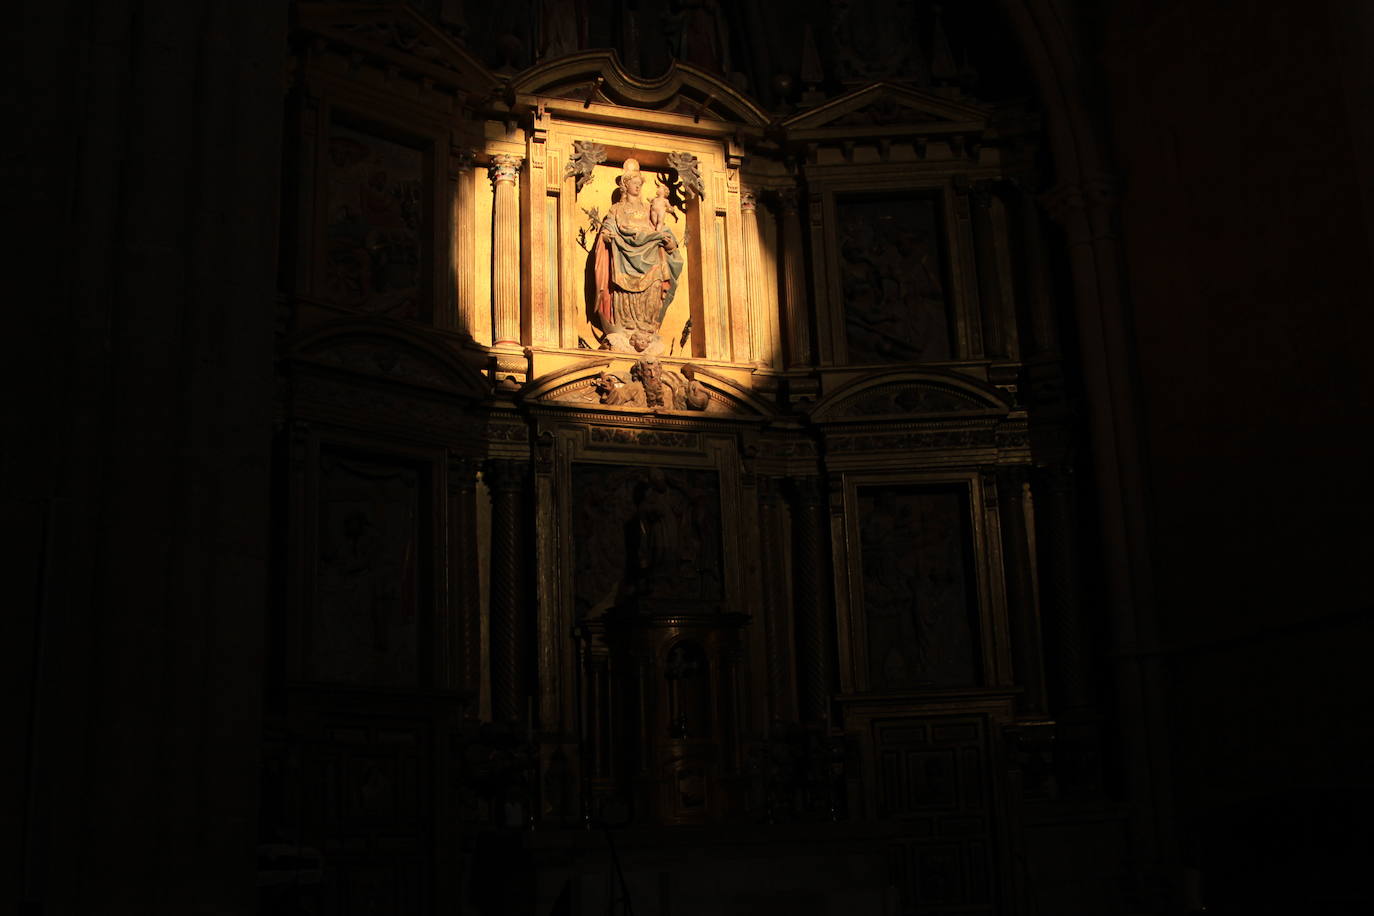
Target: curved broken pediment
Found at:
x=382, y=350
x=909, y=393
x=599, y=77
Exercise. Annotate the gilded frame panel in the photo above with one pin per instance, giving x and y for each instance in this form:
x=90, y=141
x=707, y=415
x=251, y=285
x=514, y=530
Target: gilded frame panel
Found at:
x=852, y=632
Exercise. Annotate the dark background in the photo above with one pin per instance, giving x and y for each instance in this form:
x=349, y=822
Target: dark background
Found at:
x=142, y=185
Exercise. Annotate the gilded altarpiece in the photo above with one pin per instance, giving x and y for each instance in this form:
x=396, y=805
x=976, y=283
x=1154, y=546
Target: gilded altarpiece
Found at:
x=578, y=536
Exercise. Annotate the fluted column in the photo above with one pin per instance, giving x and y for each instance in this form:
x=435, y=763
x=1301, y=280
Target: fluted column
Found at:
x=985, y=264
x=965, y=274
x=760, y=323
x=459, y=314
x=794, y=280
x=509, y=626
x=815, y=627
x=505, y=250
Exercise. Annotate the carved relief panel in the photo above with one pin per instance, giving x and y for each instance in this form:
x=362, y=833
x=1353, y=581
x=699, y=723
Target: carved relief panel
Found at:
x=919, y=590
x=645, y=534
x=892, y=278
x=375, y=99
x=376, y=217
x=921, y=595
x=365, y=625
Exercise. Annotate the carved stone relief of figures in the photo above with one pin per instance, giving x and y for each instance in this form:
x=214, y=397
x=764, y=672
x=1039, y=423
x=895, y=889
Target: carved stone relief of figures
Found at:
x=642, y=534
x=918, y=597
x=364, y=624
x=375, y=200
x=651, y=385
x=890, y=270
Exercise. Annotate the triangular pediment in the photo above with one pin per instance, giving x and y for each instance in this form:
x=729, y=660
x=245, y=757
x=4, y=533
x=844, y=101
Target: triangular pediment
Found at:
x=886, y=105
x=397, y=32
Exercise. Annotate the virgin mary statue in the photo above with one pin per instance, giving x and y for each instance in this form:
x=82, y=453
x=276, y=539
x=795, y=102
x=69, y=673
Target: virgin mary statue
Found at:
x=637, y=268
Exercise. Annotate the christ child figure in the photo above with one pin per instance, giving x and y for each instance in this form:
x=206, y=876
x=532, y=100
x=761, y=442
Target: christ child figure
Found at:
x=658, y=207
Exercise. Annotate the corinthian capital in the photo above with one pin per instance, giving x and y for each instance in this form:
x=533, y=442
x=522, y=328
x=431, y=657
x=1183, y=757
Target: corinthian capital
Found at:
x=505, y=167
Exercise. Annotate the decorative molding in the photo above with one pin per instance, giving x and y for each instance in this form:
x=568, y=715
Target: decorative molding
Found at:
x=501, y=431
x=913, y=440
x=644, y=438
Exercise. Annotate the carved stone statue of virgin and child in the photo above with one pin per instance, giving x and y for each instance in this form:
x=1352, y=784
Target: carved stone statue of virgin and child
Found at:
x=637, y=265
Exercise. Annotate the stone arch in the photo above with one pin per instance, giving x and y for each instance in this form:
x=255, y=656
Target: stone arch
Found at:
x=377, y=348
x=928, y=391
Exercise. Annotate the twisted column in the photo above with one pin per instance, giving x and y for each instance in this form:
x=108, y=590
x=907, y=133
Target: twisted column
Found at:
x=815, y=632
x=505, y=250
x=509, y=627
x=463, y=593
x=774, y=621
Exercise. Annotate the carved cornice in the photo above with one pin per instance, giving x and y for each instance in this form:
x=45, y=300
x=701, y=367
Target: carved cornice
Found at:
x=399, y=38
x=644, y=438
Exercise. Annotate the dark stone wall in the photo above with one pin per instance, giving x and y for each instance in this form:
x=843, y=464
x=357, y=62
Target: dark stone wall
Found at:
x=145, y=170
x=1242, y=133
